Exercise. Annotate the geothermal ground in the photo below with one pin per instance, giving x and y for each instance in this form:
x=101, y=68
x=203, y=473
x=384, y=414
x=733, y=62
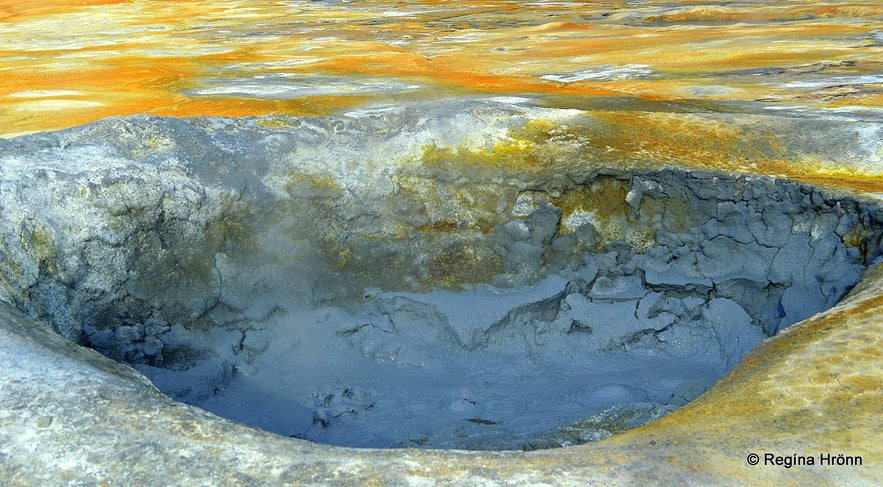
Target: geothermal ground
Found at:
x=240, y=238
x=438, y=305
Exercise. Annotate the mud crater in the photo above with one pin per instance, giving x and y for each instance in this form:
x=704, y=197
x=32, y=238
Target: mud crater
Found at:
x=542, y=313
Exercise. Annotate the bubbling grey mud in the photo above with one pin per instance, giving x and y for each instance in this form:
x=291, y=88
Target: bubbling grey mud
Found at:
x=290, y=275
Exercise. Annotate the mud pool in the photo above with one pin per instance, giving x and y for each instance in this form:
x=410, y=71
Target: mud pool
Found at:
x=272, y=271
x=601, y=345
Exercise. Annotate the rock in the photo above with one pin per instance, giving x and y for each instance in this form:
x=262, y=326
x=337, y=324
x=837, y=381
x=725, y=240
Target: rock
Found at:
x=543, y=223
x=518, y=229
x=633, y=198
